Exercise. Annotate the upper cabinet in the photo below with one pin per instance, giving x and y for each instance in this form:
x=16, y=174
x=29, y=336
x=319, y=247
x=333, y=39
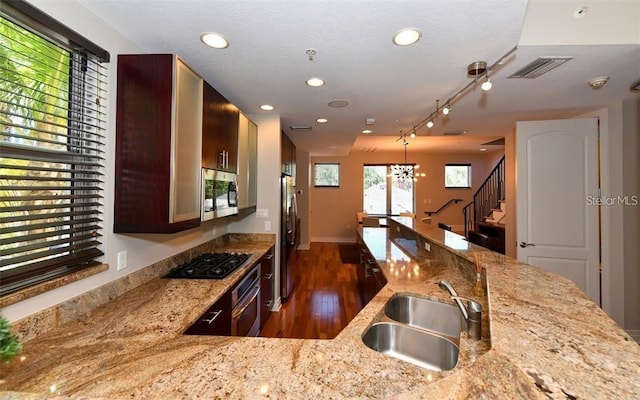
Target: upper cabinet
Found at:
x=288, y=155
x=247, y=162
x=220, y=121
x=158, y=143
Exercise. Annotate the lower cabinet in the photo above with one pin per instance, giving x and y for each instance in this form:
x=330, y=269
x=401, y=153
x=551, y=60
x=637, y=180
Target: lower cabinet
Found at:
x=216, y=320
x=370, y=277
x=266, y=291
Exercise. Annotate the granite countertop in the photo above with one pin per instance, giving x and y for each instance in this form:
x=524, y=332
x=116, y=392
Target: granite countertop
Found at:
x=543, y=339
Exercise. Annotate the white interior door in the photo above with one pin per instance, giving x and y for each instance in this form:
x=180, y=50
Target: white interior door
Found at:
x=557, y=227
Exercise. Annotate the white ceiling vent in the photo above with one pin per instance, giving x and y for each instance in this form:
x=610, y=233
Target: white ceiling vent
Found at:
x=539, y=66
x=299, y=128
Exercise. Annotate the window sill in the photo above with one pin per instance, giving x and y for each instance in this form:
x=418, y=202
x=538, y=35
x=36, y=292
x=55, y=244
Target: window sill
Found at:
x=35, y=290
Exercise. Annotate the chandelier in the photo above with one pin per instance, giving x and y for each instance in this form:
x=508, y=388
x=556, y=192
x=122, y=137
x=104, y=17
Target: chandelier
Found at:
x=406, y=172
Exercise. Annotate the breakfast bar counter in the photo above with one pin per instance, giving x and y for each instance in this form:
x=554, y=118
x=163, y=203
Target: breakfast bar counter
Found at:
x=542, y=338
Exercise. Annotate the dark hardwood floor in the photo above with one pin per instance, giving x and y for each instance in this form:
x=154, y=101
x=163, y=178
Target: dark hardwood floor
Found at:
x=324, y=300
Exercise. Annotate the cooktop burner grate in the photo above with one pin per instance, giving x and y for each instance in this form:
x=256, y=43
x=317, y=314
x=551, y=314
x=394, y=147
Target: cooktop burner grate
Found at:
x=209, y=266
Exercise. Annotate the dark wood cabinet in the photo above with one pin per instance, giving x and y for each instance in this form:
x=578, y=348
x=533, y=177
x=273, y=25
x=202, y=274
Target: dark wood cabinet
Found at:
x=370, y=278
x=158, y=140
x=216, y=320
x=266, y=291
x=220, y=121
x=288, y=155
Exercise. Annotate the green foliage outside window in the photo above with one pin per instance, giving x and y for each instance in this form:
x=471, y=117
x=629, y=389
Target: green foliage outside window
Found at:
x=327, y=174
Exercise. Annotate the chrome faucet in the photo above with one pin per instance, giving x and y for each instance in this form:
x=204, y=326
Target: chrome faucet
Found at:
x=472, y=313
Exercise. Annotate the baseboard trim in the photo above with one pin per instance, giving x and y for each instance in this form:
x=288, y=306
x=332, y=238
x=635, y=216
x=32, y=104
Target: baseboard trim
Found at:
x=635, y=334
x=304, y=246
x=326, y=239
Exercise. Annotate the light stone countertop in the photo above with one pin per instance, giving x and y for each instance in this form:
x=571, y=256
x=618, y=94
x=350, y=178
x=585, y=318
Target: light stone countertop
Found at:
x=544, y=339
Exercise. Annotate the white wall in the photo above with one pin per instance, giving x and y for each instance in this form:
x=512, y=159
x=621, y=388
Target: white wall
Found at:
x=142, y=250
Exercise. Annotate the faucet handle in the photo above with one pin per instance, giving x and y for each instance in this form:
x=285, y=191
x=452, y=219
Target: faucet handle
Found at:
x=474, y=309
x=474, y=321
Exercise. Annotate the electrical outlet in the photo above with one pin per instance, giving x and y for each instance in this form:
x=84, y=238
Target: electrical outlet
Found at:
x=122, y=260
x=427, y=246
x=267, y=226
x=262, y=213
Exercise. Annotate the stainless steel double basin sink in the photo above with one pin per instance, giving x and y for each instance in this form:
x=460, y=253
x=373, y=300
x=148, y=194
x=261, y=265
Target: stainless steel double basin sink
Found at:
x=419, y=331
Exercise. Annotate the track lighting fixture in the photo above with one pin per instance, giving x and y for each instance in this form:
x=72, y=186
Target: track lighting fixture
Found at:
x=413, y=135
x=477, y=70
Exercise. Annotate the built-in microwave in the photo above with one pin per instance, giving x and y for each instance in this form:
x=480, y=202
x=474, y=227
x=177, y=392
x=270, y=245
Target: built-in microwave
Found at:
x=219, y=194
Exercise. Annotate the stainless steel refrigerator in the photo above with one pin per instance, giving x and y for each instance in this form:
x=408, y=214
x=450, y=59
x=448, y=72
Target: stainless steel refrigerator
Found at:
x=289, y=228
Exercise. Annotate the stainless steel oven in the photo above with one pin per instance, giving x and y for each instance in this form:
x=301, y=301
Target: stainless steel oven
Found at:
x=245, y=300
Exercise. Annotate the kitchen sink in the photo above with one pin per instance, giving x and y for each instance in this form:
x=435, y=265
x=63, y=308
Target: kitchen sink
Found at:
x=412, y=345
x=434, y=316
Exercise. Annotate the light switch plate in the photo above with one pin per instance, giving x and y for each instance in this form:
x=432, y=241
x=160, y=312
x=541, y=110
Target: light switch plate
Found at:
x=267, y=226
x=122, y=260
x=262, y=213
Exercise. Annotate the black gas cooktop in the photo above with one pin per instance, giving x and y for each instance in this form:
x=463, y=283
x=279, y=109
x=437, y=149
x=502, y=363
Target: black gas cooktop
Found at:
x=209, y=266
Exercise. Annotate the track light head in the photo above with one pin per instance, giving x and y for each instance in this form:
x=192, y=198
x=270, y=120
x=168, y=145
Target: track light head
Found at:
x=430, y=124
x=446, y=110
x=413, y=135
x=486, y=85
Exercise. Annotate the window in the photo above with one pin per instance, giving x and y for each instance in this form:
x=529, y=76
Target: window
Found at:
x=457, y=176
x=326, y=174
x=384, y=193
x=52, y=113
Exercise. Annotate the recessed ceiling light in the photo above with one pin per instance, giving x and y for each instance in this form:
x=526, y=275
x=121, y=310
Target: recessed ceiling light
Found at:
x=406, y=37
x=315, y=82
x=322, y=120
x=266, y=107
x=366, y=131
x=338, y=103
x=483, y=149
x=215, y=40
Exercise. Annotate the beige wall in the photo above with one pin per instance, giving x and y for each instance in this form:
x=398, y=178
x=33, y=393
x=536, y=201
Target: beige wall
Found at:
x=332, y=212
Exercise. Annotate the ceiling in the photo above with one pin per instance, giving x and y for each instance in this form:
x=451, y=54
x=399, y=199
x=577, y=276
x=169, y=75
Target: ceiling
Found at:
x=267, y=62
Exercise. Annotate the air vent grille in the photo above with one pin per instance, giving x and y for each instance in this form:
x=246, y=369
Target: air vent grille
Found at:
x=454, y=133
x=539, y=66
x=299, y=128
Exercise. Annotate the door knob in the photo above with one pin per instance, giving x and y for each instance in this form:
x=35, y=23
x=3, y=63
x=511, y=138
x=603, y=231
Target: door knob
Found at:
x=525, y=244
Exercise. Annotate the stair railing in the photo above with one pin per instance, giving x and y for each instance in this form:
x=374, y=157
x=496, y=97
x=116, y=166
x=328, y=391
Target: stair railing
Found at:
x=445, y=205
x=486, y=198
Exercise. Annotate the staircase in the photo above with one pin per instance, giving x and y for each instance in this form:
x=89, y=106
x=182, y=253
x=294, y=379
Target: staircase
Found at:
x=497, y=214
x=484, y=216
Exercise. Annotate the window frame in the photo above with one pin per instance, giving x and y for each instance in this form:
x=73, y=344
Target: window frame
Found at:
x=315, y=174
x=469, y=175
x=70, y=235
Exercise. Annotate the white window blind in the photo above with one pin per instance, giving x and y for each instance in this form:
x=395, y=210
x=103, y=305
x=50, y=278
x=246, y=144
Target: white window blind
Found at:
x=52, y=118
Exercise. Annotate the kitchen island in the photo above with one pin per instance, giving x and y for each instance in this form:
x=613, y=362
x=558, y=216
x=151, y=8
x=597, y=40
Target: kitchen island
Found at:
x=543, y=338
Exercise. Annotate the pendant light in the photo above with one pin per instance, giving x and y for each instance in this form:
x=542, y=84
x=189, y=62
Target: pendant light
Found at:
x=406, y=172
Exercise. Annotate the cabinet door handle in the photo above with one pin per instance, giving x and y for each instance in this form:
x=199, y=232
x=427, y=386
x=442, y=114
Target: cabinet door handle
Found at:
x=269, y=257
x=221, y=159
x=268, y=276
x=268, y=303
x=216, y=314
x=525, y=244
